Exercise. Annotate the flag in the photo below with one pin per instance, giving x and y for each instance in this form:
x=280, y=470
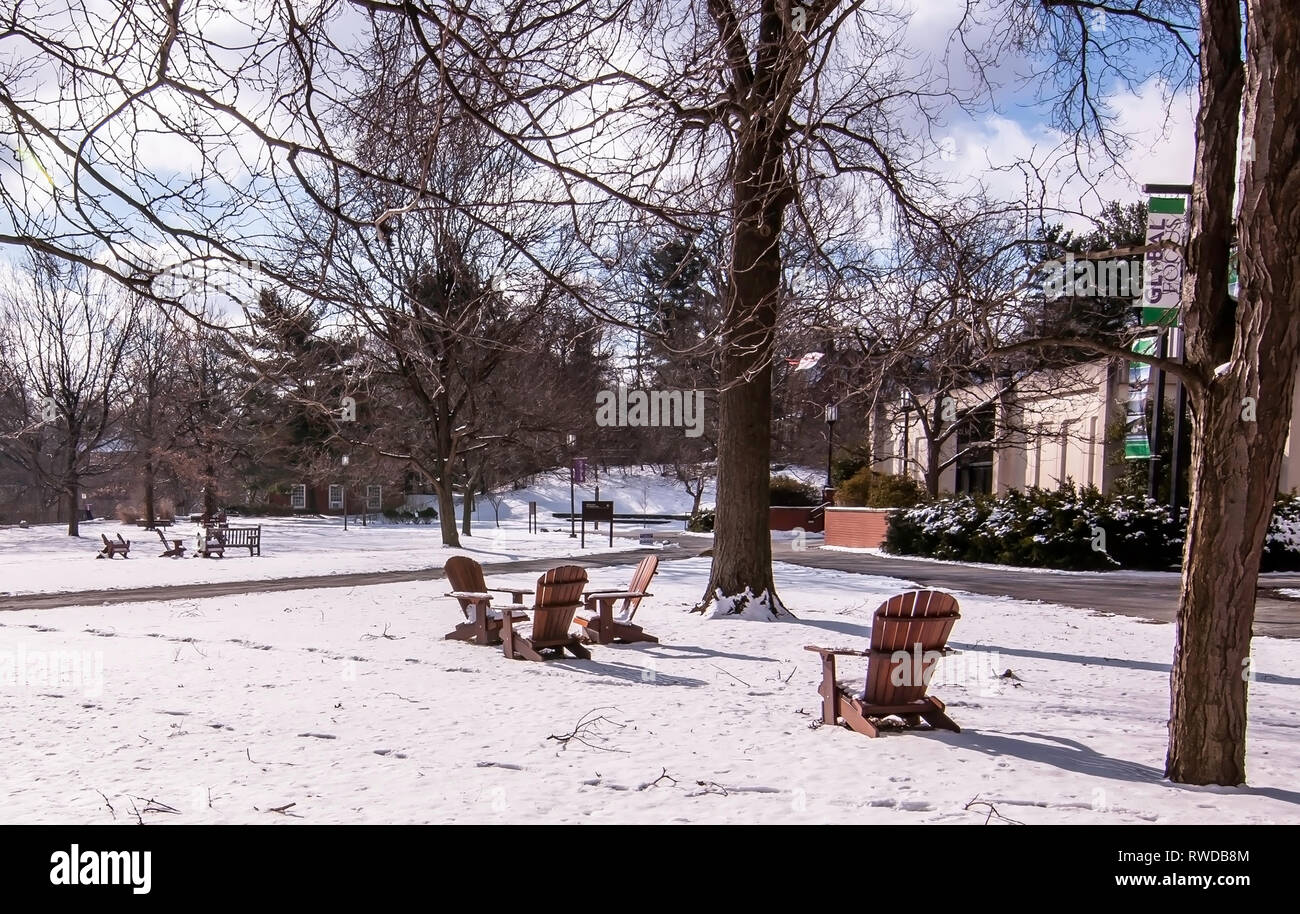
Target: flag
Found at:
x=808, y=361
x=1137, y=441
x=1162, y=289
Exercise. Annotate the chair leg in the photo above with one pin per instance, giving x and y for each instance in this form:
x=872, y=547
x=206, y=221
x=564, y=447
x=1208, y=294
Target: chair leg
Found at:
x=628, y=633
x=851, y=711
x=827, y=690
x=517, y=647
x=578, y=651
x=937, y=718
x=465, y=631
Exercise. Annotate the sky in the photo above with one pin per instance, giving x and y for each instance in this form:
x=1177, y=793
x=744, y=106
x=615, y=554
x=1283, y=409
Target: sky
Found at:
x=1160, y=125
x=979, y=148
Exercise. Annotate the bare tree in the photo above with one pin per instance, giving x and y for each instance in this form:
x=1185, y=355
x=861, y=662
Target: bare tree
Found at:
x=70, y=334
x=1240, y=360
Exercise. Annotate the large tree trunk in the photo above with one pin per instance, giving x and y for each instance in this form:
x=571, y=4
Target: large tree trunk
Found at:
x=148, y=493
x=210, y=490
x=74, y=508
x=1243, y=415
x=742, y=542
x=447, y=510
x=467, y=507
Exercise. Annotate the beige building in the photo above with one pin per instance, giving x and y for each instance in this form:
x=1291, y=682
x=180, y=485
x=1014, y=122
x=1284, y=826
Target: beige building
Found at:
x=1045, y=429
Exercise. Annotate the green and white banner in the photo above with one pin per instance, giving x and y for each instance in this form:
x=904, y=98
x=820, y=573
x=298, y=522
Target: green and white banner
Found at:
x=1137, y=440
x=1163, y=268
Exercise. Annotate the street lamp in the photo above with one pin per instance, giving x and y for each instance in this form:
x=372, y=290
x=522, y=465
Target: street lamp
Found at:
x=572, y=441
x=907, y=422
x=345, y=491
x=832, y=416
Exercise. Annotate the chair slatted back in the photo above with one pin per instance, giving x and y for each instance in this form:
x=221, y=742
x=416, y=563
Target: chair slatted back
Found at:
x=558, y=596
x=641, y=578
x=465, y=575
x=908, y=635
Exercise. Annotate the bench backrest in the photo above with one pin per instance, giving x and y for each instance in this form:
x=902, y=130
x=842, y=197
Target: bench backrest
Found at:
x=466, y=576
x=908, y=635
x=559, y=593
x=641, y=578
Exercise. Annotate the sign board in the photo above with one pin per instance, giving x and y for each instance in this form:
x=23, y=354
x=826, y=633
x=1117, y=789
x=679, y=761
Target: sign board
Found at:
x=1137, y=440
x=597, y=511
x=1162, y=287
x=647, y=539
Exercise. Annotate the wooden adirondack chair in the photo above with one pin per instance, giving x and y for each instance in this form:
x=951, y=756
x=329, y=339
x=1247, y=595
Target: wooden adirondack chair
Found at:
x=602, y=626
x=172, y=548
x=558, y=596
x=121, y=547
x=475, y=597
x=908, y=636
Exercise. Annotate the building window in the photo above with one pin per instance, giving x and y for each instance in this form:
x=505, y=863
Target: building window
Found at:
x=975, y=452
x=298, y=498
x=336, y=498
x=374, y=498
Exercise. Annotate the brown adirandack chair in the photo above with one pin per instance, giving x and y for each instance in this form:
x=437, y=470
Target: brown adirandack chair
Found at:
x=484, y=623
x=557, y=598
x=908, y=636
x=602, y=625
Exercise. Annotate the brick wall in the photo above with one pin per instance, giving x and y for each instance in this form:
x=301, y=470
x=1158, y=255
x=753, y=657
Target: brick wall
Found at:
x=787, y=518
x=862, y=528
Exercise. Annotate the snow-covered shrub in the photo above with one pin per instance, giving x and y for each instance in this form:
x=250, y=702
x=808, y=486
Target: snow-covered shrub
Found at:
x=1067, y=528
x=701, y=522
x=1282, y=544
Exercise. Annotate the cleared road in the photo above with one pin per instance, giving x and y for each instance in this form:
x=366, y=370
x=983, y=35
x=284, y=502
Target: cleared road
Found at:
x=1151, y=595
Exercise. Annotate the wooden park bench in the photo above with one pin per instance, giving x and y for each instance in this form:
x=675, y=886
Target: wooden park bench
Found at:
x=121, y=547
x=908, y=636
x=602, y=626
x=157, y=524
x=249, y=538
x=172, y=548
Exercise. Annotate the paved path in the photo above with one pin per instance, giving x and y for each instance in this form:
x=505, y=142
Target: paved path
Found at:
x=1148, y=596
x=312, y=582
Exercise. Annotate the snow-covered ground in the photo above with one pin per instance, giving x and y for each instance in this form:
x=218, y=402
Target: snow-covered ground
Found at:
x=348, y=705
x=43, y=559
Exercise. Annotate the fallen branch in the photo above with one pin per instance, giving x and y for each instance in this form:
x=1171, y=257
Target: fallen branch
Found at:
x=155, y=806
x=106, y=803
x=732, y=675
x=993, y=811
x=383, y=634
x=655, y=783
x=588, y=726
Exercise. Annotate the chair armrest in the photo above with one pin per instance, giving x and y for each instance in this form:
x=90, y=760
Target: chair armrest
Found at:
x=514, y=591
x=470, y=595
x=836, y=650
x=613, y=595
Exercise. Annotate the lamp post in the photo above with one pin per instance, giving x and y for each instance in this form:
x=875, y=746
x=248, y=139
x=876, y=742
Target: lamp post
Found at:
x=345, y=491
x=832, y=415
x=572, y=441
x=907, y=422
